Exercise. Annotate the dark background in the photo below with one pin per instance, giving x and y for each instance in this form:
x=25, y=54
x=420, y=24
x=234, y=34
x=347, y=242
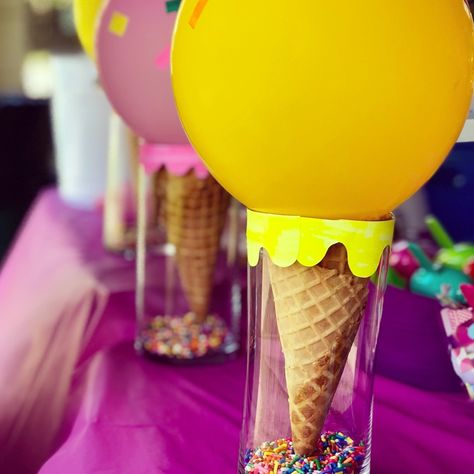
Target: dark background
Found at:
x=26, y=152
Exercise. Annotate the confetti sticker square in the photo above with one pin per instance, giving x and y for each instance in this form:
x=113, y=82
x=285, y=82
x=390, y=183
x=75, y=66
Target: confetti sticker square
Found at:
x=172, y=6
x=162, y=61
x=197, y=12
x=118, y=24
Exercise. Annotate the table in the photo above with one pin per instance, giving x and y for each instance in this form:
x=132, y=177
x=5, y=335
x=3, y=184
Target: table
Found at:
x=79, y=400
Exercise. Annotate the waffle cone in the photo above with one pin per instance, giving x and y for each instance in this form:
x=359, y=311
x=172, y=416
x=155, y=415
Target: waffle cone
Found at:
x=318, y=312
x=159, y=195
x=195, y=212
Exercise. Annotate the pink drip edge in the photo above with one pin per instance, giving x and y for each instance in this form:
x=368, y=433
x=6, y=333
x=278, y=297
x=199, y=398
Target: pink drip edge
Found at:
x=178, y=160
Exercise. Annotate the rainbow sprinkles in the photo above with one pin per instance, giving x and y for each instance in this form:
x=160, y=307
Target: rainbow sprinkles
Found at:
x=335, y=453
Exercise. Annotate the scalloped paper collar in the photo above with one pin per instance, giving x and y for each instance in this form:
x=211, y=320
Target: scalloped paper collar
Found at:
x=288, y=239
x=179, y=160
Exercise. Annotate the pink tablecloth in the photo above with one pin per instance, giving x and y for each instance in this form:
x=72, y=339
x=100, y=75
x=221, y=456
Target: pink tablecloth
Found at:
x=75, y=398
x=54, y=287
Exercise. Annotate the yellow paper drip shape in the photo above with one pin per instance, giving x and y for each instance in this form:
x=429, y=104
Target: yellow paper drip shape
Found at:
x=288, y=239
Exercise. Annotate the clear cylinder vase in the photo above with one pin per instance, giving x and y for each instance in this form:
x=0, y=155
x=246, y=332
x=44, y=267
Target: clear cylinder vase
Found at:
x=309, y=391
x=120, y=200
x=188, y=301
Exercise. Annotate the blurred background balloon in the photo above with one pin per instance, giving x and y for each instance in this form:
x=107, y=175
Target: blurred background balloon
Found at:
x=133, y=54
x=85, y=17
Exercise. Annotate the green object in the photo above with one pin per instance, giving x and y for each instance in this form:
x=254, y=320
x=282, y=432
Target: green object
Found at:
x=451, y=255
x=420, y=256
x=457, y=257
x=429, y=282
x=394, y=279
x=429, y=279
x=439, y=233
x=172, y=6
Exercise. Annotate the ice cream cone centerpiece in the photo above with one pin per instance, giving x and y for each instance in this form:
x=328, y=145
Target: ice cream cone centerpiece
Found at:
x=314, y=363
x=187, y=299
x=319, y=121
x=179, y=278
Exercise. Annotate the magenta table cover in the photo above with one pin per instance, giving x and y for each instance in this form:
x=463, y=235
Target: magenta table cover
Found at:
x=54, y=287
x=76, y=399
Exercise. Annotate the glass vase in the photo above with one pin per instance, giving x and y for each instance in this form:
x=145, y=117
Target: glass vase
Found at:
x=309, y=390
x=120, y=201
x=188, y=300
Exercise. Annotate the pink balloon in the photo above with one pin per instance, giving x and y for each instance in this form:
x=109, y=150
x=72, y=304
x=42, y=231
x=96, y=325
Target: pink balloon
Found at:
x=133, y=56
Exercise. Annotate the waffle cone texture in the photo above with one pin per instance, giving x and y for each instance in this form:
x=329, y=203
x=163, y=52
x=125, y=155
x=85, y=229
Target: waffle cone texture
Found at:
x=318, y=311
x=195, y=212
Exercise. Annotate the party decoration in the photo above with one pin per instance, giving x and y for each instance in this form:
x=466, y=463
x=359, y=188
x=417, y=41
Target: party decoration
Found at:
x=459, y=327
x=133, y=48
x=452, y=255
x=336, y=452
x=439, y=233
x=176, y=159
x=469, y=269
x=445, y=298
x=456, y=257
x=195, y=212
x=300, y=114
x=184, y=337
x=172, y=5
x=402, y=260
x=290, y=239
x=300, y=111
x=133, y=51
x=198, y=9
x=118, y=24
x=429, y=279
x=468, y=292
x=395, y=279
x=86, y=14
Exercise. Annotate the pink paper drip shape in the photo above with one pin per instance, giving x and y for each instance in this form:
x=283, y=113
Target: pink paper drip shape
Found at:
x=177, y=159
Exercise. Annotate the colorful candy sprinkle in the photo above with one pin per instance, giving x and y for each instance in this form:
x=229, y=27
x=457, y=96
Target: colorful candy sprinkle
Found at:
x=184, y=337
x=334, y=453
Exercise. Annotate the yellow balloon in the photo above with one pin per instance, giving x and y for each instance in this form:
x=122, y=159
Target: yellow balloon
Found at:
x=85, y=18
x=323, y=108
